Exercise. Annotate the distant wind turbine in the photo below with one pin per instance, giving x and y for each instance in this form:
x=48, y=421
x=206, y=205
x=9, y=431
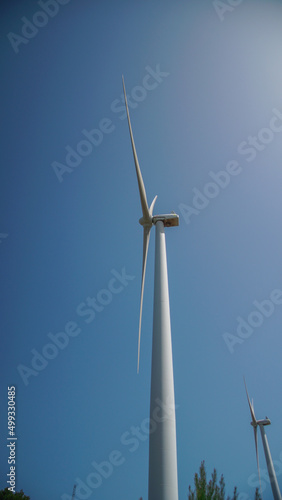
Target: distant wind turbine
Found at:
x=163, y=483
x=261, y=423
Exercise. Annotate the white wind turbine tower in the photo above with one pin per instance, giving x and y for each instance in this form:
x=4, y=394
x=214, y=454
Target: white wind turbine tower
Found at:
x=261, y=423
x=163, y=484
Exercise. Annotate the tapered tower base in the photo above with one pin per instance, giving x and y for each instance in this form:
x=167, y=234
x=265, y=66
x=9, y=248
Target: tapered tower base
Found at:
x=270, y=468
x=163, y=483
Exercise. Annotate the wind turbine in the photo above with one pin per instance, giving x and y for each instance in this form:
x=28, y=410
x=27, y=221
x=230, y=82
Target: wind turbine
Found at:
x=271, y=472
x=163, y=483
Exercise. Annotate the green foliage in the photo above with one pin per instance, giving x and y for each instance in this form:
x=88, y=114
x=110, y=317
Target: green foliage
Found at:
x=6, y=494
x=257, y=495
x=211, y=490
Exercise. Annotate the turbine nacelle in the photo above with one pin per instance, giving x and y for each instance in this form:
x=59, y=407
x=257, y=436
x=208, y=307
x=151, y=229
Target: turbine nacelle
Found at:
x=265, y=421
x=168, y=220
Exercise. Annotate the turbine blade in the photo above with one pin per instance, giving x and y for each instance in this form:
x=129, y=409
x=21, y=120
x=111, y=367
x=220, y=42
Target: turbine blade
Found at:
x=251, y=406
x=146, y=238
x=152, y=206
x=143, y=197
x=257, y=456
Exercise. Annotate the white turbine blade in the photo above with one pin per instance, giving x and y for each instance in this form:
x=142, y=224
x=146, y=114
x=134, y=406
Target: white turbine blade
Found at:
x=257, y=455
x=143, y=197
x=152, y=206
x=146, y=238
x=251, y=406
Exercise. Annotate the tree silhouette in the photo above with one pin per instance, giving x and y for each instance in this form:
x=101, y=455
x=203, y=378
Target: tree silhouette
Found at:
x=6, y=494
x=211, y=490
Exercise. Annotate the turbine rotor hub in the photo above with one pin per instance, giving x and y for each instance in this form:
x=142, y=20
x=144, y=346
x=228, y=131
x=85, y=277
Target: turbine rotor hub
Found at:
x=146, y=222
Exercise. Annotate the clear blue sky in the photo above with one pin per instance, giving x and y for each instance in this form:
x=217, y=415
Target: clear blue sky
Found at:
x=205, y=90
